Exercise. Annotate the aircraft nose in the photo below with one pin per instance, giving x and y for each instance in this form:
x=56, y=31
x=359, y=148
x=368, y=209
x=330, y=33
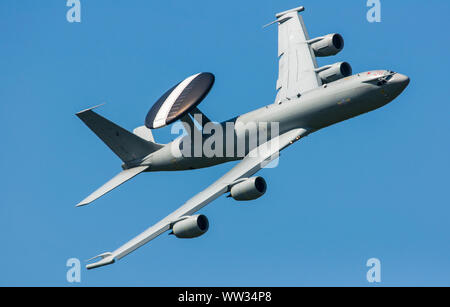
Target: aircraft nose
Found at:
x=400, y=80
x=398, y=83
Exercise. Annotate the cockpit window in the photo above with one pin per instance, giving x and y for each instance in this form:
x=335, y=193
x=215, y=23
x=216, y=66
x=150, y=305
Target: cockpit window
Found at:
x=380, y=78
x=384, y=79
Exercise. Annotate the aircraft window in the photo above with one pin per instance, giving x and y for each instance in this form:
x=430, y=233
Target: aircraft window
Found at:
x=384, y=80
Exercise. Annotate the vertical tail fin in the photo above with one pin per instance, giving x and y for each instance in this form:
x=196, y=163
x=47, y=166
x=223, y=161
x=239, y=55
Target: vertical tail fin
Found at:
x=126, y=145
x=144, y=133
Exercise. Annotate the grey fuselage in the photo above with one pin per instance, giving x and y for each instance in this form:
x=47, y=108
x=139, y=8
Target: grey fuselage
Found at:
x=313, y=110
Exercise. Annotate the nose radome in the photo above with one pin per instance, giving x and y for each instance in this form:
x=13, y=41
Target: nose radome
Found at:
x=397, y=84
x=401, y=80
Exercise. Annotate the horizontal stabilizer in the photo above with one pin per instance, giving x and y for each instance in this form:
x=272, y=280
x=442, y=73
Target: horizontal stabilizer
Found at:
x=112, y=184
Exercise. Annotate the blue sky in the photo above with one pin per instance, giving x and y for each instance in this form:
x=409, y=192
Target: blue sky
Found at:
x=374, y=186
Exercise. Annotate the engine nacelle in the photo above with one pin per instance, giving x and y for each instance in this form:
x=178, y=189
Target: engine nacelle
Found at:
x=328, y=45
x=191, y=227
x=335, y=72
x=249, y=189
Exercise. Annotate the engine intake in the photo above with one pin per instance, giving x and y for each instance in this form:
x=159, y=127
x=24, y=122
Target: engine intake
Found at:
x=191, y=227
x=335, y=72
x=328, y=45
x=249, y=189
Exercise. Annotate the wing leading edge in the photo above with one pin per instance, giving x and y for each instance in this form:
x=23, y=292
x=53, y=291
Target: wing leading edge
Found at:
x=251, y=164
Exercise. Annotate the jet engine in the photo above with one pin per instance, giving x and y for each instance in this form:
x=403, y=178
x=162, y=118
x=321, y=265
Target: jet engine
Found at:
x=335, y=72
x=327, y=45
x=191, y=227
x=249, y=189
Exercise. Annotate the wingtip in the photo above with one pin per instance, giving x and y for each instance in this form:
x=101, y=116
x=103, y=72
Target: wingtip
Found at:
x=90, y=109
x=107, y=258
x=297, y=9
x=83, y=203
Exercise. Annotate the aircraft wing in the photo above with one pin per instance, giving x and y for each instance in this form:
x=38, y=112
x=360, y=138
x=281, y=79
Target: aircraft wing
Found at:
x=297, y=61
x=252, y=163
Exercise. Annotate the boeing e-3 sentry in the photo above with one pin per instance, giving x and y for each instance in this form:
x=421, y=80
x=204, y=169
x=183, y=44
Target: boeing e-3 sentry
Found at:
x=309, y=98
